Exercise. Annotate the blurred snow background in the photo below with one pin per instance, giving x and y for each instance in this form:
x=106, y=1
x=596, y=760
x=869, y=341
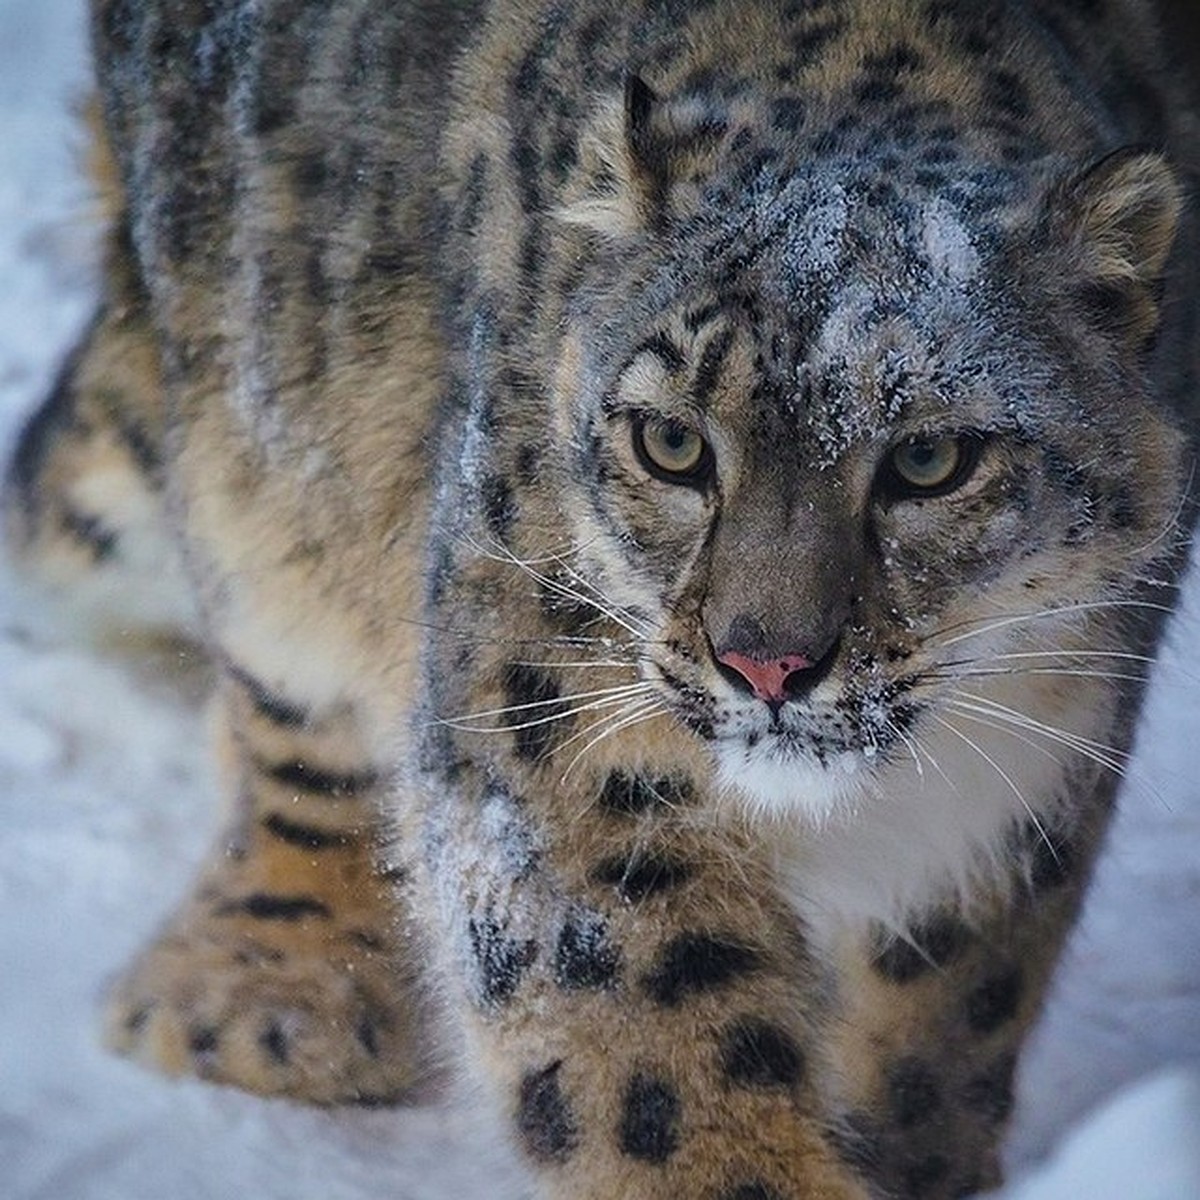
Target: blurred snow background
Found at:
x=104, y=809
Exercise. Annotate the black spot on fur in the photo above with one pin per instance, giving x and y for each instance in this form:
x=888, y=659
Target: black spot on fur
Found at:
x=630, y=795
x=529, y=686
x=137, y=1019
x=899, y=58
x=788, y=114
x=995, y=1001
x=874, y=90
x=274, y=1043
x=650, y=1119
x=544, y=1119
x=118, y=23
x=809, y=44
x=934, y=945
x=499, y=506
x=990, y=1093
x=1005, y=91
x=757, y=1054
x=529, y=463
x=583, y=956
x=694, y=963
x=568, y=614
x=472, y=194
x=642, y=874
x=913, y=1092
x=203, y=1041
x=309, y=837
x=501, y=961
x=366, y=1033
x=55, y=415
x=264, y=906
x=939, y=154
x=92, y=532
x=528, y=78
x=664, y=349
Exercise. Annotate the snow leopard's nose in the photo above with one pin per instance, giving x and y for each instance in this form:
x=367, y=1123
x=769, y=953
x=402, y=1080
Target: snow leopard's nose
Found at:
x=767, y=677
x=745, y=657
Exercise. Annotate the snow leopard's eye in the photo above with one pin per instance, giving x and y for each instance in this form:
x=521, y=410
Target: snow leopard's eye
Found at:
x=925, y=467
x=672, y=451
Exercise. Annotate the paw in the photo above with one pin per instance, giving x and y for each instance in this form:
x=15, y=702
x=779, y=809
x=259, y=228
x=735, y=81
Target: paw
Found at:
x=337, y=1029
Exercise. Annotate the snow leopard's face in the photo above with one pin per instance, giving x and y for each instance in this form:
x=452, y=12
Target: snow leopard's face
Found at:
x=843, y=462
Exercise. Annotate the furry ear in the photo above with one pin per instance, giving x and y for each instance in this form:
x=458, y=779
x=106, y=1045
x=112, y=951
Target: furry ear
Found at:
x=1125, y=211
x=632, y=157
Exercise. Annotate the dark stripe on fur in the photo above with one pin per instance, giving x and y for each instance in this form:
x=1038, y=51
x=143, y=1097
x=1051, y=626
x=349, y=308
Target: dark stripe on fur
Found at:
x=266, y=907
x=276, y=709
x=55, y=414
x=307, y=836
x=315, y=781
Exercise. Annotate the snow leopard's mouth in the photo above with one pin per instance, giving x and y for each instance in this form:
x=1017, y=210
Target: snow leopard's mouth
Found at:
x=799, y=755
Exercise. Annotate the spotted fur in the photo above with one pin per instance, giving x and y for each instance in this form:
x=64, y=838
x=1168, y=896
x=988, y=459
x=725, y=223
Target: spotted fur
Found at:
x=681, y=499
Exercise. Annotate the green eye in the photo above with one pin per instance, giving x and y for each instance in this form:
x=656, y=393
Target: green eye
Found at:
x=931, y=466
x=671, y=450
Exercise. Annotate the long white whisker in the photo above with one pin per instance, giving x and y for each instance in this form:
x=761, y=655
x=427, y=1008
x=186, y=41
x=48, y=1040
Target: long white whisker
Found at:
x=1016, y=791
x=619, y=689
x=629, y=664
x=1061, y=672
x=616, y=722
x=1006, y=727
x=1106, y=756
x=608, y=699
x=1046, y=613
x=597, y=600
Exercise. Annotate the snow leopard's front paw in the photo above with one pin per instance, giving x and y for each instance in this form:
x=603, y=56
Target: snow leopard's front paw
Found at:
x=338, y=1026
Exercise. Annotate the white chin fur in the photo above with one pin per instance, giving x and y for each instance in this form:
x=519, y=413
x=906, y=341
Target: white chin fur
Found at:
x=773, y=783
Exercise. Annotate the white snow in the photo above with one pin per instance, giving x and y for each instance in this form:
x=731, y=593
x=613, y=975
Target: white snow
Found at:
x=104, y=784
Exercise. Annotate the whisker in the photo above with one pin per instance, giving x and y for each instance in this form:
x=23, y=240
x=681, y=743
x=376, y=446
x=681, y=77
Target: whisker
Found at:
x=555, y=701
x=1064, y=653
x=1042, y=614
x=1008, y=728
x=568, y=640
x=607, y=702
x=596, y=600
x=1094, y=751
x=1016, y=791
x=629, y=664
x=645, y=712
x=910, y=745
x=1067, y=672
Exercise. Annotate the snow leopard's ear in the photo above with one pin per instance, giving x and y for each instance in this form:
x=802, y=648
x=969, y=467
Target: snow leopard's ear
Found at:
x=1123, y=213
x=637, y=158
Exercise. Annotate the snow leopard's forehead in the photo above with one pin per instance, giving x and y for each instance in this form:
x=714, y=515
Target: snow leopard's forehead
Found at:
x=818, y=310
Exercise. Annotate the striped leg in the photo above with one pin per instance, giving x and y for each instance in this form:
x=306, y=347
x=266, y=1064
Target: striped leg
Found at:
x=281, y=972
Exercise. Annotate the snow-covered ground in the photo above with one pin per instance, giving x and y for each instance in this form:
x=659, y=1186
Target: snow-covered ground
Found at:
x=103, y=788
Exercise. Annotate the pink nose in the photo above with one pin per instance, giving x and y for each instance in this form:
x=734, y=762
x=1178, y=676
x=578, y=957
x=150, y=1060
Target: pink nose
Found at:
x=766, y=676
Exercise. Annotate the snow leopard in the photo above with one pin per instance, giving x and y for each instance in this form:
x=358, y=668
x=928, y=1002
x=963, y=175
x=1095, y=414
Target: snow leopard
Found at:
x=680, y=498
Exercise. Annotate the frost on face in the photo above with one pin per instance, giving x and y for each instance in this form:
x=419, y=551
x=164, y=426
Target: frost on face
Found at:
x=817, y=234
x=948, y=246
x=881, y=349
